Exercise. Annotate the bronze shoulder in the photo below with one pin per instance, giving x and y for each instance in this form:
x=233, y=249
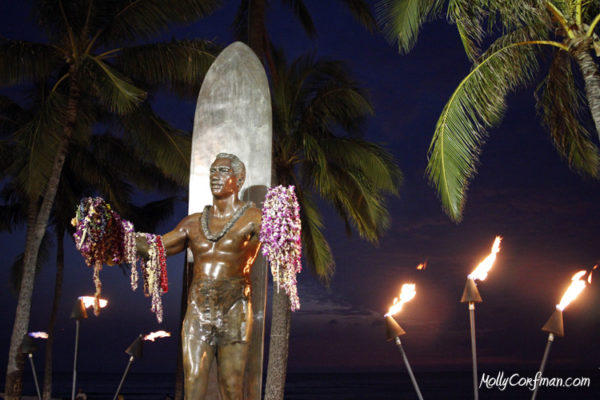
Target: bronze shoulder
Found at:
x=190, y=219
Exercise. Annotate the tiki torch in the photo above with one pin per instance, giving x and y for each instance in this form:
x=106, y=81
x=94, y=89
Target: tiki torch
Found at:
x=471, y=295
x=78, y=313
x=136, y=350
x=394, y=331
x=28, y=346
x=554, y=325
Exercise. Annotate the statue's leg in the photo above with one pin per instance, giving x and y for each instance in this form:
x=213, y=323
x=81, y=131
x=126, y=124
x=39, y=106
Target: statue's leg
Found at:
x=197, y=359
x=232, y=366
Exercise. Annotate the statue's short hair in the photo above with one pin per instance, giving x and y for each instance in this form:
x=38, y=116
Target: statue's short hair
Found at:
x=239, y=169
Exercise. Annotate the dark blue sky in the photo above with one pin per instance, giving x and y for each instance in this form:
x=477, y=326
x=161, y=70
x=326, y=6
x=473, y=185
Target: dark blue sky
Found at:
x=547, y=215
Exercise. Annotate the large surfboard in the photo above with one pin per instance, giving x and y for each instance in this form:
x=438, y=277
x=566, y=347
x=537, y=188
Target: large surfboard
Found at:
x=233, y=115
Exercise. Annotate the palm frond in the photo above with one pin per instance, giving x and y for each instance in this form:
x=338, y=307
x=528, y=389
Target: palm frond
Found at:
x=143, y=19
x=26, y=61
x=87, y=169
x=377, y=165
x=567, y=8
x=401, y=20
x=477, y=104
x=590, y=11
x=355, y=203
x=114, y=90
x=37, y=141
x=301, y=12
x=315, y=248
x=361, y=10
x=314, y=103
x=560, y=105
x=179, y=64
x=515, y=14
x=328, y=94
x=525, y=33
x=468, y=16
x=154, y=140
x=355, y=179
x=115, y=155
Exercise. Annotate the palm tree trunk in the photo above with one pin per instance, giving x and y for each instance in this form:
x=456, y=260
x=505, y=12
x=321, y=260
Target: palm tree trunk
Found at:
x=280, y=322
x=60, y=263
x=257, y=28
x=581, y=52
x=35, y=233
x=14, y=376
x=278, y=346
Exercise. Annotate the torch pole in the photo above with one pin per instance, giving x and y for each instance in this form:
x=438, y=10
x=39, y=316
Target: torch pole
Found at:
x=35, y=379
x=75, y=359
x=123, y=378
x=410, y=372
x=473, y=349
x=543, y=365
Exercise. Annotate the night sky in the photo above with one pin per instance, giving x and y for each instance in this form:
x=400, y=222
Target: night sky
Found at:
x=524, y=192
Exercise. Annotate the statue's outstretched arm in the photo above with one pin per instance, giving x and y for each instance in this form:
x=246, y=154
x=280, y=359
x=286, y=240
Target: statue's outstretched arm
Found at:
x=175, y=241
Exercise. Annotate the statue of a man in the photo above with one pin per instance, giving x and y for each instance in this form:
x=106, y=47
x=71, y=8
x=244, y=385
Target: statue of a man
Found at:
x=218, y=322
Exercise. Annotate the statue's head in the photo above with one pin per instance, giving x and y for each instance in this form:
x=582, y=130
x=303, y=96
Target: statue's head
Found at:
x=219, y=167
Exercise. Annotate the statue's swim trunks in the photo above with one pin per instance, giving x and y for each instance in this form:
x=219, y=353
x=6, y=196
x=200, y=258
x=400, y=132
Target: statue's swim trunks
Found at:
x=218, y=312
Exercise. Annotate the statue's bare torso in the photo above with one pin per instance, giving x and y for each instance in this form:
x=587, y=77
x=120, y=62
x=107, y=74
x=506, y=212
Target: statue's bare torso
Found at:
x=231, y=256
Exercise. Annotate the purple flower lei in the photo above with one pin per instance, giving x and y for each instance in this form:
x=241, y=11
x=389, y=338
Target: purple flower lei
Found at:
x=280, y=235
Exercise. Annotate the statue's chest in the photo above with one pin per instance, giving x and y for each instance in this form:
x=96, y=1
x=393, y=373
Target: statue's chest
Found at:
x=233, y=240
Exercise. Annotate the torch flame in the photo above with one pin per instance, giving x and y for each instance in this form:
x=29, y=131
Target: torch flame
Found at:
x=577, y=285
x=407, y=292
x=88, y=301
x=38, y=335
x=158, y=334
x=484, y=267
x=590, y=275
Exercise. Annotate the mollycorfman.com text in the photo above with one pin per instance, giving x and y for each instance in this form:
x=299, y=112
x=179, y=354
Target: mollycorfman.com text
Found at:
x=502, y=380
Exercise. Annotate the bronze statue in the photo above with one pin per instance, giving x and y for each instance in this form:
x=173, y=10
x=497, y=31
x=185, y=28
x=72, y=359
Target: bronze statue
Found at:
x=224, y=242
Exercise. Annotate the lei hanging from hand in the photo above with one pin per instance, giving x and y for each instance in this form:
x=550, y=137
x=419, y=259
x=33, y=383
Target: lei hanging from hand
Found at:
x=101, y=236
x=280, y=235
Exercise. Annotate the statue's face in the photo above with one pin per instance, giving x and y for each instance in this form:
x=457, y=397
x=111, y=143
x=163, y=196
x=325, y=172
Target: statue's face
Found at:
x=223, y=181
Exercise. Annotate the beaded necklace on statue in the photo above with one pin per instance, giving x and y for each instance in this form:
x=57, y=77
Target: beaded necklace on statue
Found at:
x=206, y=230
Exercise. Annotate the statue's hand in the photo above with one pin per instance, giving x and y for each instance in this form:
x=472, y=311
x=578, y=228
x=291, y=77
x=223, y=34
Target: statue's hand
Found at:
x=142, y=246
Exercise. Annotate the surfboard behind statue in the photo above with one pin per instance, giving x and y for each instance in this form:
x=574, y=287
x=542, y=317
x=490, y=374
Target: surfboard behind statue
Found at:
x=233, y=115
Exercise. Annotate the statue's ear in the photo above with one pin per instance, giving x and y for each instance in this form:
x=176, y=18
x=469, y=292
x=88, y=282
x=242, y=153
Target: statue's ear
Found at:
x=240, y=180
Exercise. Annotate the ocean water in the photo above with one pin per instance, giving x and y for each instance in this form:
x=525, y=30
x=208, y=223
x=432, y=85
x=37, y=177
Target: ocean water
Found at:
x=334, y=386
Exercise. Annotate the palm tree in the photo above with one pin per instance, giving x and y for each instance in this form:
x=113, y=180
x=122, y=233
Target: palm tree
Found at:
x=318, y=115
x=529, y=30
x=106, y=166
x=250, y=24
x=90, y=66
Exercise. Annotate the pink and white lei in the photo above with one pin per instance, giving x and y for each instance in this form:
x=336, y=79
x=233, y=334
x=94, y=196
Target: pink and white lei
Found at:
x=280, y=235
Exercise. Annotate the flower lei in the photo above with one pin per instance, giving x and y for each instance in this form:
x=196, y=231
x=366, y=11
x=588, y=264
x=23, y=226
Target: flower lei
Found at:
x=280, y=235
x=101, y=236
x=155, y=273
